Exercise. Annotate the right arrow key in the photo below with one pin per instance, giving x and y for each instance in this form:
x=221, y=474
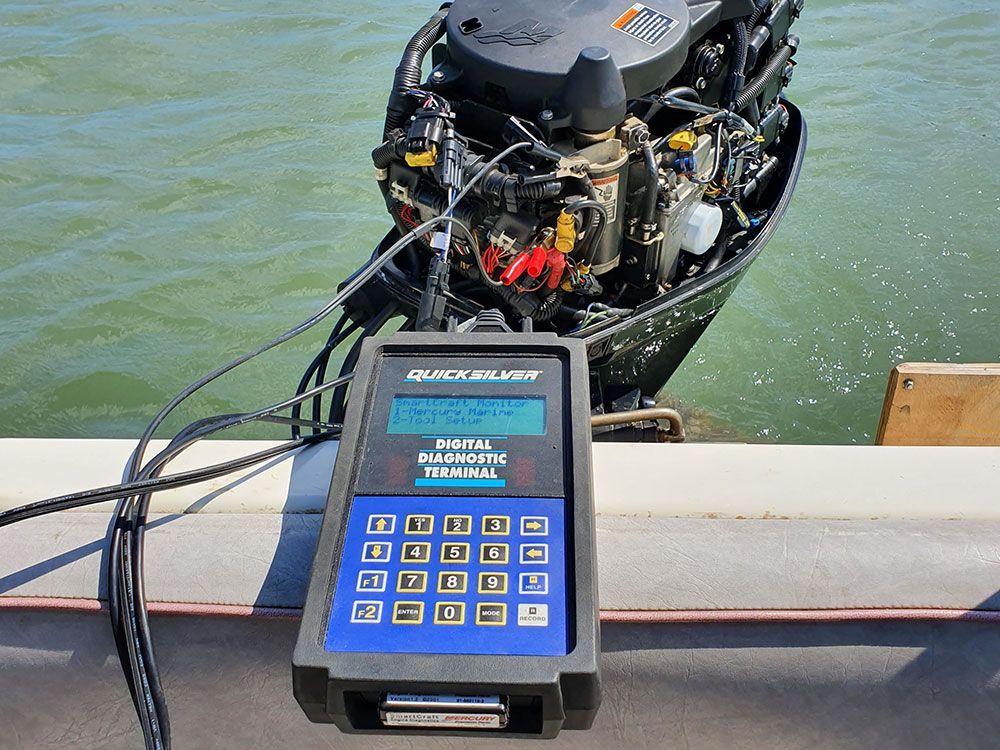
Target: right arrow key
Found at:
x=534, y=554
x=534, y=526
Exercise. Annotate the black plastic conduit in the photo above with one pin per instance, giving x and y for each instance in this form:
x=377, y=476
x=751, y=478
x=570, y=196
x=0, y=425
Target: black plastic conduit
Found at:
x=758, y=11
x=408, y=72
x=760, y=81
x=737, y=72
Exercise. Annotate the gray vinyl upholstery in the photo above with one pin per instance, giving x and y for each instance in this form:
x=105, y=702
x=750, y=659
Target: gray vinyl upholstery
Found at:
x=644, y=563
x=892, y=684
x=681, y=686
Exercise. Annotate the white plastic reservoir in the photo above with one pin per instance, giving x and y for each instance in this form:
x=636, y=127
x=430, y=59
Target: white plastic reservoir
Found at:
x=701, y=228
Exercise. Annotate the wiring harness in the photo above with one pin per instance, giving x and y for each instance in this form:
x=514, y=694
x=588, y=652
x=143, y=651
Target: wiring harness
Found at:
x=126, y=590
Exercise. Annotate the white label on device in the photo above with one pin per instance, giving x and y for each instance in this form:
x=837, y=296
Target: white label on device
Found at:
x=431, y=719
x=533, y=615
x=607, y=193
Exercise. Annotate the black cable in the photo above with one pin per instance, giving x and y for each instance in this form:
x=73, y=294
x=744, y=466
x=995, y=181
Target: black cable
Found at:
x=775, y=65
x=125, y=574
x=356, y=282
x=647, y=214
x=317, y=404
x=338, y=399
x=140, y=673
x=596, y=229
x=169, y=482
x=758, y=11
x=319, y=363
x=737, y=67
x=125, y=564
x=132, y=546
x=131, y=633
x=408, y=71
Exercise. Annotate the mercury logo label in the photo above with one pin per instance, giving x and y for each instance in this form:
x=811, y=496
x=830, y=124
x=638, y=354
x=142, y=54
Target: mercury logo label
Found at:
x=523, y=33
x=480, y=376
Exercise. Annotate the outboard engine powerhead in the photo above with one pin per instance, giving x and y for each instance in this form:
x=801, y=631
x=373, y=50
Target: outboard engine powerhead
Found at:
x=647, y=135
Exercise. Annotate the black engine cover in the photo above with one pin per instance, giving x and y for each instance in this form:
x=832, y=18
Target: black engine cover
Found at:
x=516, y=54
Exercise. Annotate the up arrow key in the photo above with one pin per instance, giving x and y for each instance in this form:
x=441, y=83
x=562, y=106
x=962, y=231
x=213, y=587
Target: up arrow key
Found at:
x=381, y=523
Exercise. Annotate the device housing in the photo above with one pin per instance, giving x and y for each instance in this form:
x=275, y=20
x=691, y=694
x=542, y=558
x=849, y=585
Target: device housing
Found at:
x=542, y=694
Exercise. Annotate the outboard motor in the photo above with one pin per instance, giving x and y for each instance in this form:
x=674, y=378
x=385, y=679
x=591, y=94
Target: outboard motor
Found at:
x=648, y=135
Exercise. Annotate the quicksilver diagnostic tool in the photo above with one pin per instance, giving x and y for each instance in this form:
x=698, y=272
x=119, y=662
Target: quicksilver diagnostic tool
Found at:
x=453, y=587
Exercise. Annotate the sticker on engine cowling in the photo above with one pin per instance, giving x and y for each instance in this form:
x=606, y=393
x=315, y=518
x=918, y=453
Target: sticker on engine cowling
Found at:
x=607, y=193
x=645, y=24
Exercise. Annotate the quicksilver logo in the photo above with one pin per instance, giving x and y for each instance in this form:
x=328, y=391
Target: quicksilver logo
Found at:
x=482, y=376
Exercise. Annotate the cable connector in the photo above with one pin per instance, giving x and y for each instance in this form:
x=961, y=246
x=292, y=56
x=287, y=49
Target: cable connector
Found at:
x=588, y=285
x=430, y=314
x=451, y=163
x=424, y=138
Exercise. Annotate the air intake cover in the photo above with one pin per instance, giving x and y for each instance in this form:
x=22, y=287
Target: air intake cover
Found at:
x=517, y=53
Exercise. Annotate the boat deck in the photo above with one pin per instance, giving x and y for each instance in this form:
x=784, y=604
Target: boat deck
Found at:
x=751, y=596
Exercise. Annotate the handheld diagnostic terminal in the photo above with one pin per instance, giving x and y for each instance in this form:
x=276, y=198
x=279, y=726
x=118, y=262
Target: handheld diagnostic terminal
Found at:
x=453, y=587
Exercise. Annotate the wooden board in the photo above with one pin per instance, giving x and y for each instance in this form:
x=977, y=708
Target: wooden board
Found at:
x=941, y=404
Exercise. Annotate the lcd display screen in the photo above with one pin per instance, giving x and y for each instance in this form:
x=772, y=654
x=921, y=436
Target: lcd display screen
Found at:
x=467, y=416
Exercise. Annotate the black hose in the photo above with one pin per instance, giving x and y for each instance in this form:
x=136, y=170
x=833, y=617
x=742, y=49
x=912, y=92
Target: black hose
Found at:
x=537, y=191
x=718, y=253
x=596, y=222
x=760, y=81
x=737, y=70
x=677, y=92
x=393, y=149
x=648, y=212
x=683, y=92
x=408, y=72
x=497, y=184
x=757, y=13
x=549, y=307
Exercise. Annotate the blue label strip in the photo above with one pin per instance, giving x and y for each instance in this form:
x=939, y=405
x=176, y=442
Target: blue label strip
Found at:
x=459, y=482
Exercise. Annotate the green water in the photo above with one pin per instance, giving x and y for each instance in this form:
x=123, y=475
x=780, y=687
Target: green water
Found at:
x=179, y=181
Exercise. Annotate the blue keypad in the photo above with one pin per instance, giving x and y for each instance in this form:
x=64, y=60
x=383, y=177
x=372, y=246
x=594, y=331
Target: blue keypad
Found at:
x=452, y=575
